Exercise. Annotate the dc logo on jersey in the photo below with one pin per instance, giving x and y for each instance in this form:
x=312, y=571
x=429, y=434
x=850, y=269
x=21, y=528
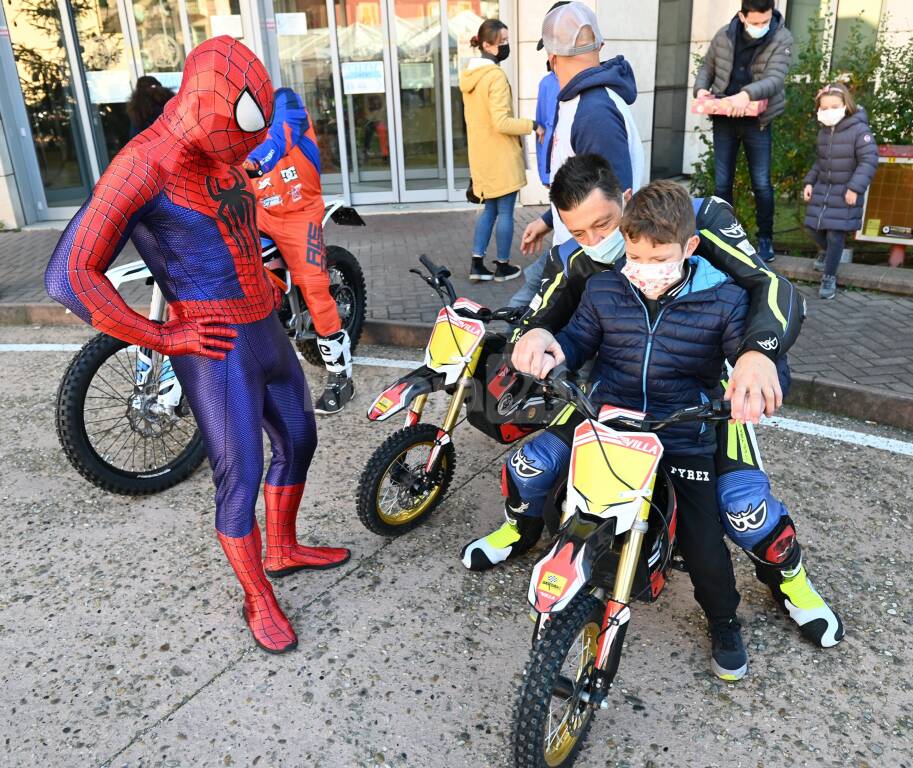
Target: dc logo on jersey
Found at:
x=749, y=520
x=289, y=174
x=734, y=231
x=522, y=467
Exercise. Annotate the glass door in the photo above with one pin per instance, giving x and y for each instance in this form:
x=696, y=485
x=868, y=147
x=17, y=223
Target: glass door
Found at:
x=58, y=133
x=368, y=133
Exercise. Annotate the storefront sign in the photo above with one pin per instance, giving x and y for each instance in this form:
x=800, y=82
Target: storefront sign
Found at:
x=416, y=75
x=291, y=24
x=227, y=25
x=108, y=86
x=362, y=77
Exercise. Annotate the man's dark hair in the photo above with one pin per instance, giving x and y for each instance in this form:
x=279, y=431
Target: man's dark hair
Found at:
x=758, y=6
x=579, y=176
x=661, y=212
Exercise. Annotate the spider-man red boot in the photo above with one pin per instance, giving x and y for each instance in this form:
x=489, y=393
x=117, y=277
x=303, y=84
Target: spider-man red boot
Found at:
x=284, y=555
x=271, y=630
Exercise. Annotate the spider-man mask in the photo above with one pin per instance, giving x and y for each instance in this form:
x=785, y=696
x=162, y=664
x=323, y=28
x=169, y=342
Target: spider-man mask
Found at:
x=225, y=102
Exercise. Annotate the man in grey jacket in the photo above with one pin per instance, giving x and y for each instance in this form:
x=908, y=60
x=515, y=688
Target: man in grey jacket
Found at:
x=747, y=61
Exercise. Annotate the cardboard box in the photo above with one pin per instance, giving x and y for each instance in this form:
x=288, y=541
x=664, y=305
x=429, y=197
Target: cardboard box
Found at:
x=711, y=105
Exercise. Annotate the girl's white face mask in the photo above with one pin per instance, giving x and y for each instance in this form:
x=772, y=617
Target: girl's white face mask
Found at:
x=830, y=117
x=654, y=279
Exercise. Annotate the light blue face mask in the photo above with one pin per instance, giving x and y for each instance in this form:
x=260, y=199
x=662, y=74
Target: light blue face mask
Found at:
x=607, y=250
x=757, y=32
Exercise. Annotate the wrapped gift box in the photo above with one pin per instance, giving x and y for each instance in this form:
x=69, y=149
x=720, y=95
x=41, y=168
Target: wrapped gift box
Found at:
x=710, y=105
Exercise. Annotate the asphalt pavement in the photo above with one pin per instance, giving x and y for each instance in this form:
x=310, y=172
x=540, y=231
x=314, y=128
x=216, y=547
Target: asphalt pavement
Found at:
x=122, y=644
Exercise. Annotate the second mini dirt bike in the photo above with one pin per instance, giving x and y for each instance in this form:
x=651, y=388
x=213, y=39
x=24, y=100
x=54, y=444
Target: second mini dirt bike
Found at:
x=121, y=416
x=616, y=520
x=409, y=473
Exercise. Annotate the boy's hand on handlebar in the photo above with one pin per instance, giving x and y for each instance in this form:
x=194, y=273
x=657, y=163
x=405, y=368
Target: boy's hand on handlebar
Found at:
x=754, y=388
x=536, y=353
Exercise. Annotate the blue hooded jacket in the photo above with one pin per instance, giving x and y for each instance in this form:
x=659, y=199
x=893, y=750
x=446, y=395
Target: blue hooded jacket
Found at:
x=546, y=110
x=599, y=126
x=659, y=367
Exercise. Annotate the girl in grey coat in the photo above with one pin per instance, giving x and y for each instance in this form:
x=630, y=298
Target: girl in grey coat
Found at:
x=835, y=186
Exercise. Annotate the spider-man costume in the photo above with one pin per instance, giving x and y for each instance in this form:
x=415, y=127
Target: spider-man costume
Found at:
x=192, y=218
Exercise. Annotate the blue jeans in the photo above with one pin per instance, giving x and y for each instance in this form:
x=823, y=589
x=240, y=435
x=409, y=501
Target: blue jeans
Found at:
x=500, y=209
x=533, y=275
x=728, y=134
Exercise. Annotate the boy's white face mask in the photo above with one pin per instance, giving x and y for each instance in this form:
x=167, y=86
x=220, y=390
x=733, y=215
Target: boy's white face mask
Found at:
x=655, y=278
x=830, y=117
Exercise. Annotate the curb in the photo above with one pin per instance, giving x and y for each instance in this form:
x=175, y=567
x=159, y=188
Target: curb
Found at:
x=864, y=276
x=842, y=398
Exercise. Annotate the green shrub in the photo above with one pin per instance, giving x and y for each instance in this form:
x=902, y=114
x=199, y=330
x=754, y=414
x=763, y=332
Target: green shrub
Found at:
x=878, y=72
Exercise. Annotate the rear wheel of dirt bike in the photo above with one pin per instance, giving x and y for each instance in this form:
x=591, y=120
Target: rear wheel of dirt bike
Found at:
x=115, y=437
x=550, y=720
x=395, y=493
x=347, y=287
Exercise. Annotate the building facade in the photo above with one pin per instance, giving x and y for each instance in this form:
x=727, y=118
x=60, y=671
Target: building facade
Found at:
x=380, y=78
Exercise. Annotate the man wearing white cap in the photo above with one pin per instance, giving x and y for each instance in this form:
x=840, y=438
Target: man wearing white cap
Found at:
x=594, y=115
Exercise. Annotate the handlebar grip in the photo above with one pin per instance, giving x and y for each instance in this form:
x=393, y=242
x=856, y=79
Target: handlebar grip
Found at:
x=559, y=373
x=429, y=264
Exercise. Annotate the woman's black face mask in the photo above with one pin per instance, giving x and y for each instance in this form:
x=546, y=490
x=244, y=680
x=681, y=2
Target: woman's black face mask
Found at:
x=503, y=51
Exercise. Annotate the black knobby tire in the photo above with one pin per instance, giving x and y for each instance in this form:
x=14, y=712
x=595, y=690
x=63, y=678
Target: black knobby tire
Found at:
x=542, y=671
x=353, y=276
x=379, y=465
x=71, y=430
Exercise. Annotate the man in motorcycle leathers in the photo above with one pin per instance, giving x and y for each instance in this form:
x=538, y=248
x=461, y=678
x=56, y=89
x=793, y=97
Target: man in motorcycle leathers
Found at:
x=176, y=191
x=290, y=211
x=753, y=517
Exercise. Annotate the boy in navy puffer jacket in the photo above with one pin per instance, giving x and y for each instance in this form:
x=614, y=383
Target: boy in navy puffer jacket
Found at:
x=661, y=326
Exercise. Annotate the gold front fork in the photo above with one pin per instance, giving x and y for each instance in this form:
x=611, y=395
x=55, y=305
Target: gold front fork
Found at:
x=459, y=396
x=415, y=411
x=630, y=553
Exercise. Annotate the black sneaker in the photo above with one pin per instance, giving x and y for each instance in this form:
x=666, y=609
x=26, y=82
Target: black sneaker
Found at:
x=505, y=271
x=478, y=271
x=728, y=658
x=340, y=389
x=766, y=249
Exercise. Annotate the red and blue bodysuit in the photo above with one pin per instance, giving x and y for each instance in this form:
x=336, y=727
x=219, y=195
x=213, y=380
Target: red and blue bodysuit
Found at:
x=192, y=216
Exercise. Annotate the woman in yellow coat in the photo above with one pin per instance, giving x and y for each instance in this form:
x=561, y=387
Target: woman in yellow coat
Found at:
x=495, y=148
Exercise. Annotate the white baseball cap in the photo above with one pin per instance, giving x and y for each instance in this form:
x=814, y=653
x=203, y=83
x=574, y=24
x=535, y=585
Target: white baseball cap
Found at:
x=562, y=26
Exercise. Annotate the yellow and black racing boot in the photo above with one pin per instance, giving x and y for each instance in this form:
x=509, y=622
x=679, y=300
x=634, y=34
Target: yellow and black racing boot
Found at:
x=793, y=591
x=515, y=537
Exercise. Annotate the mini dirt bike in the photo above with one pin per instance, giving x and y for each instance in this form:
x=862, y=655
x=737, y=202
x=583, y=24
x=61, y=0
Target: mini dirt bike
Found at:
x=121, y=416
x=408, y=475
x=616, y=519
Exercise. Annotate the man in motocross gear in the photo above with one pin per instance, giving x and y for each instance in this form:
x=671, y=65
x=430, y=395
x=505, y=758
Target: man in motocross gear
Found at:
x=752, y=516
x=290, y=211
x=176, y=191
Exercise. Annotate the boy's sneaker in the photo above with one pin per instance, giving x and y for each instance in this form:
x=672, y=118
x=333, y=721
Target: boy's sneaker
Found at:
x=728, y=658
x=819, y=262
x=828, y=287
x=478, y=271
x=766, y=249
x=505, y=271
x=340, y=389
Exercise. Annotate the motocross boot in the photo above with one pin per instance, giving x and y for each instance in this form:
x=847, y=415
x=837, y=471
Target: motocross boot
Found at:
x=265, y=619
x=793, y=591
x=284, y=555
x=515, y=537
x=335, y=350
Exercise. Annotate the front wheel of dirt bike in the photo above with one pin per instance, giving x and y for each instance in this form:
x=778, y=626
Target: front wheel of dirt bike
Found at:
x=347, y=287
x=395, y=492
x=551, y=721
x=115, y=437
